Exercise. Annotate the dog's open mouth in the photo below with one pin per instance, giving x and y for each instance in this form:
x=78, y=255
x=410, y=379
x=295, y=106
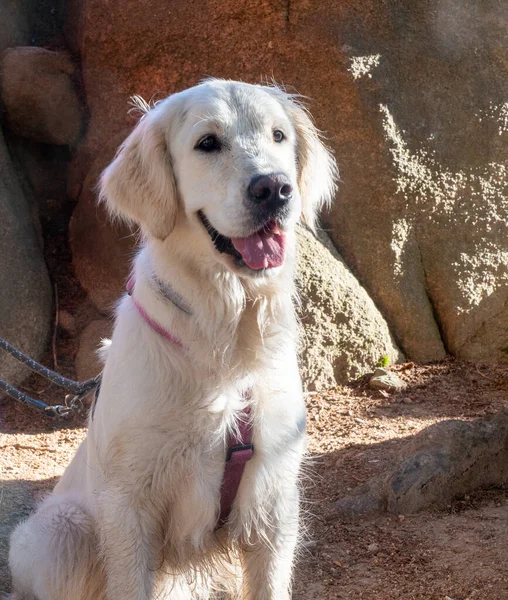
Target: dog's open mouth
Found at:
x=264, y=249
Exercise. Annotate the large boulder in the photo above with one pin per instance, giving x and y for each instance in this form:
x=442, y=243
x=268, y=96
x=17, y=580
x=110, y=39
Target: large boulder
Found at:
x=101, y=250
x=88, y=363
x=413, y=98
x=16, y=20
x=25, y=289
x=39, y=96
x=343, y=334
x=445, y=461
x=422, y=216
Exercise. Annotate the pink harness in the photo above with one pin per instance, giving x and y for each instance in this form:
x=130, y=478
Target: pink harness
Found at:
x=240, y=447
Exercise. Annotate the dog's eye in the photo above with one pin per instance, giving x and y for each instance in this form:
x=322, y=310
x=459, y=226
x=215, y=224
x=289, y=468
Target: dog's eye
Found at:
x=278, y=136
x=209, y=143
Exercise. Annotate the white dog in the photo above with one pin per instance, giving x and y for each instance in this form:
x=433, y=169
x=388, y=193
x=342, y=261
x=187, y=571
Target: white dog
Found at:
x=216, y=177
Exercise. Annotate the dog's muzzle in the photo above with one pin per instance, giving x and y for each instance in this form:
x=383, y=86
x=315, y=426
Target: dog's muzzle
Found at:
x=262, y=249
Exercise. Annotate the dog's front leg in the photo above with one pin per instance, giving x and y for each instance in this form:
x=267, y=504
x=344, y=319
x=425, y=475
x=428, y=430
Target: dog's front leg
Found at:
x=267, y=557
x=127, y=550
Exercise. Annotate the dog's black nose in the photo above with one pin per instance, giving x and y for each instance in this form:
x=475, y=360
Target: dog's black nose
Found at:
x=274, y=189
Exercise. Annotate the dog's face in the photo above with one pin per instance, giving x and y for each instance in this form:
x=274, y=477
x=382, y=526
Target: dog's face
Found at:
x=241, y=163
x=235, y=164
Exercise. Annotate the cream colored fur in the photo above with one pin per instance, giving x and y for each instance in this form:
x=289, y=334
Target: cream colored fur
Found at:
x=133, y=516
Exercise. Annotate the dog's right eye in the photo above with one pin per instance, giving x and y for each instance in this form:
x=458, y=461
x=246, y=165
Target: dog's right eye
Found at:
x=209, y=143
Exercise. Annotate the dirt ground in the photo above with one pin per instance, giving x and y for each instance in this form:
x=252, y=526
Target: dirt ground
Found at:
x=354, y=434
x=459, y=553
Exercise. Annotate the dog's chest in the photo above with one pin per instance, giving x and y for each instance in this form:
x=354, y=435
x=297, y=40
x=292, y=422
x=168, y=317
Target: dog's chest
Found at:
x=192, y=478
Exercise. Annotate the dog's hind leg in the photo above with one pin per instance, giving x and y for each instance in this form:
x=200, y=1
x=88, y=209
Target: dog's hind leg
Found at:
x=53, y=555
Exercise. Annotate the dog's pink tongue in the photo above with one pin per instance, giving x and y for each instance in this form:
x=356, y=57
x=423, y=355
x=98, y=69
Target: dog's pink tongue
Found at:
x=263, y=249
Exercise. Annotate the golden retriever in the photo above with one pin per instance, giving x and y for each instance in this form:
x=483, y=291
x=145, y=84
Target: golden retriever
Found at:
x=216, y=177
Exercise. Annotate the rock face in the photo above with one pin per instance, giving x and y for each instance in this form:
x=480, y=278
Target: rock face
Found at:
x=101, y=250
x=87, y=363
x=16, y=17
x=413, y=98
x=427, y=183
x=39, y=97
x=25, y=290
x=343, y=334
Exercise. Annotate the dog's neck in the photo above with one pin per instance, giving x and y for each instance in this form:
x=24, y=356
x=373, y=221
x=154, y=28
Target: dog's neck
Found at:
x=223, y=319
x=168, y=292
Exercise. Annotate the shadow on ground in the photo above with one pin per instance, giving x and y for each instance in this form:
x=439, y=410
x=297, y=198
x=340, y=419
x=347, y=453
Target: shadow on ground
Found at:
x=17, y=500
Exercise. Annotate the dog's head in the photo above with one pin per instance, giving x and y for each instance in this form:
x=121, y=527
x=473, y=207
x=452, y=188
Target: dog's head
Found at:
x=241, y=163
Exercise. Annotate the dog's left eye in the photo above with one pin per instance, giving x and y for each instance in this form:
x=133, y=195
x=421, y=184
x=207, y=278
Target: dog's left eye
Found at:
x=209, y=143
x=278, y=135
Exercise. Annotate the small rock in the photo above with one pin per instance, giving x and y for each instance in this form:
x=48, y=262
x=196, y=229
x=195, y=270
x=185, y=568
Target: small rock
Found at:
x=67, y=321
x=383, y=379
x=339, y=564
x=373, y=548
x=39, y=97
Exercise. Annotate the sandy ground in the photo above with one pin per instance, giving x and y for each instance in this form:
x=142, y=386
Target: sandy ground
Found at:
x=354, y=433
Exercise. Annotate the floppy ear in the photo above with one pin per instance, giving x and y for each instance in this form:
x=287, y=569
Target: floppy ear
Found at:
x=139, y=184
x=317, y=169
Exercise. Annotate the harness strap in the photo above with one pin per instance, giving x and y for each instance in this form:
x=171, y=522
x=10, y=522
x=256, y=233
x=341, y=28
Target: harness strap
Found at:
x=240, y=451
x=240, y=448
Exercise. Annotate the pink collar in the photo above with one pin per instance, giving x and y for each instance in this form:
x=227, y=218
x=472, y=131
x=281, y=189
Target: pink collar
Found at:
x=153, y=324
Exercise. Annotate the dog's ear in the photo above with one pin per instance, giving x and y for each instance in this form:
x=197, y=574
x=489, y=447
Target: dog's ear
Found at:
x=317, y=169
x=139, y=184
